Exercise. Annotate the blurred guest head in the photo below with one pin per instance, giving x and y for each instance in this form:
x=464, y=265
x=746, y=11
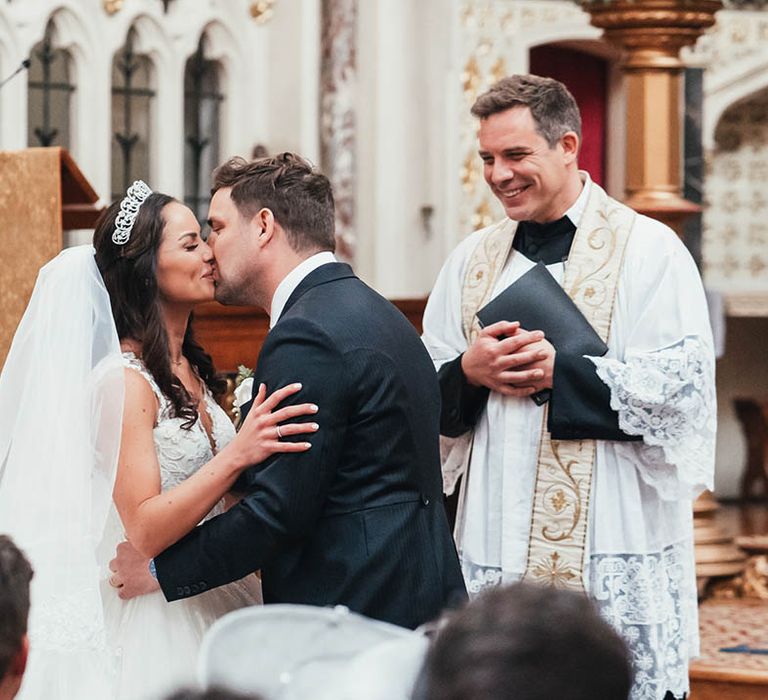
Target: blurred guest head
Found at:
x=214, y=693
x=530, y=643
x=15, y=576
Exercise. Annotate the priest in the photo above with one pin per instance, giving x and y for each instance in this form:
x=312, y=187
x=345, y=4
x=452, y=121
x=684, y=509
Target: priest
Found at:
x=577, y=470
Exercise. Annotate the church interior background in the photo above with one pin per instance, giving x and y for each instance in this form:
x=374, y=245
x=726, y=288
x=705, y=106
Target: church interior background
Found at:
x=377, y=92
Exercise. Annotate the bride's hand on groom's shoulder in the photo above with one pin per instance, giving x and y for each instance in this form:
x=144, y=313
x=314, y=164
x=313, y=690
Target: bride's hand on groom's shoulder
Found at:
x=266, y=430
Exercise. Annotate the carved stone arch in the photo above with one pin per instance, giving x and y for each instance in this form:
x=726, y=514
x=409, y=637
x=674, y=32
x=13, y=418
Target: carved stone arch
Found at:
x=584, y=38
x=74, y=31
x=152, y=40
x=223, y=45
x=752, y=80
x=227, y=47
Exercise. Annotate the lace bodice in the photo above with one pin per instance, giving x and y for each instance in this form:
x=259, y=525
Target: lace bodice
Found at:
x=181, y=452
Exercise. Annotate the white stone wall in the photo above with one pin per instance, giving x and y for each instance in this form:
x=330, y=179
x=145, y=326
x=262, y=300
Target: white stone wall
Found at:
x=269, y=84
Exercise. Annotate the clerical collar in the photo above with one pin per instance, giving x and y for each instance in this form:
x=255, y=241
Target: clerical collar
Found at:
x=551, y=242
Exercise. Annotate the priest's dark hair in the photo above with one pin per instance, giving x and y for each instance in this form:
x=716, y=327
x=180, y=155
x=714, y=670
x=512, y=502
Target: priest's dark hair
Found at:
x=129, y=272
x=553, y=108
x=530, y=643
x=15, y=577
x=299, y=197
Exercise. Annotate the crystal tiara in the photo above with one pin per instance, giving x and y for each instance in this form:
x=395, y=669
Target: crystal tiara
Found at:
x=135, y=196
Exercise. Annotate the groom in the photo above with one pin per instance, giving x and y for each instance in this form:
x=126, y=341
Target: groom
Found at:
x=357, y=520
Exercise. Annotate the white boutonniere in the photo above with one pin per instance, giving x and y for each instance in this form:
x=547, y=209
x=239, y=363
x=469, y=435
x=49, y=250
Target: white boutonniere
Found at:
x=243, y=386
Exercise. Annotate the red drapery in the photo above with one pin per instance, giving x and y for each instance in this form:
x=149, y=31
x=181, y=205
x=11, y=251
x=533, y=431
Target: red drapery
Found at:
x=586, y=76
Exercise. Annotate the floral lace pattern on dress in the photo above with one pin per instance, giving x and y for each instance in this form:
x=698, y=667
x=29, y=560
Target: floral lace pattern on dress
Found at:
x=668, y=397
x=180, y=452
x=66, y=622
x=649, y=599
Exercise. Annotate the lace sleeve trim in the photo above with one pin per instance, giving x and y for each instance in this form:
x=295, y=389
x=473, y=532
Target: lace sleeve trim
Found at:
x=667, y=397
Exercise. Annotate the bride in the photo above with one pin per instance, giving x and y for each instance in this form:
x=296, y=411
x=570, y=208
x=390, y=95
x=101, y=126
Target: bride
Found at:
x=109, y=430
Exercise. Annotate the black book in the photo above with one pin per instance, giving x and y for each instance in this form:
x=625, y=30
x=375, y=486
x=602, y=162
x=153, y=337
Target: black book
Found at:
x=539, y=303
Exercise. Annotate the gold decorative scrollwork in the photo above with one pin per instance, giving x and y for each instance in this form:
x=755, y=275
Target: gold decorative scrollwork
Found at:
x=262, y=10
x=111, y=7
x=562, y=500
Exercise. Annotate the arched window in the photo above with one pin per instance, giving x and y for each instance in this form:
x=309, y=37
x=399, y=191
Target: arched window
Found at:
x=202, y=110
x=49, y=93
x=132, y=97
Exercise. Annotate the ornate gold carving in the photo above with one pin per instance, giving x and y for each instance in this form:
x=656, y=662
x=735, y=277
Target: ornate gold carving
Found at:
x=262, y=10
x=483, y=215
x=112, y=6
x=469, y=173
x=470, y=79
x=653, y=31
x=499, y=69
x=752, y=582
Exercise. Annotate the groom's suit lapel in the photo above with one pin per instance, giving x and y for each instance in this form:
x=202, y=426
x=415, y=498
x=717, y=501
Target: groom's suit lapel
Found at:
x=330, y=272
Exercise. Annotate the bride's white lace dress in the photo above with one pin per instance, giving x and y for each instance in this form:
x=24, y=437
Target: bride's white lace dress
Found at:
x=156, y=642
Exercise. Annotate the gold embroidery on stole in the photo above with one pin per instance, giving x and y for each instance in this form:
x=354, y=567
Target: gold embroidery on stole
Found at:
x=485, y=264
x=561, y=499
x=557, y=543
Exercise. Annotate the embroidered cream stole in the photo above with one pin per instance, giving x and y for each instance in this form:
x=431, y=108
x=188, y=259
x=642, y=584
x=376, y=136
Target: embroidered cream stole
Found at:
x=557, y=542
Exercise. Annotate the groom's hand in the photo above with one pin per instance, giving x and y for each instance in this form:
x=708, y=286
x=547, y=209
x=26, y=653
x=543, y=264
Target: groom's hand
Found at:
x=130, y=573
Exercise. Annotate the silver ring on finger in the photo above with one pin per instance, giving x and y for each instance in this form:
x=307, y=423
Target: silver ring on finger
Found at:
x=279, y=434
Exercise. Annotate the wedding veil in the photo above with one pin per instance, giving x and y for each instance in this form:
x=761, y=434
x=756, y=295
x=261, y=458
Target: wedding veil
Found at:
x=61, y=402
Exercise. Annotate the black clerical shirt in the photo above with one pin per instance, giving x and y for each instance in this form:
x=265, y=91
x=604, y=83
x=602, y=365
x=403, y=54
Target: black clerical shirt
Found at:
x=580, y=403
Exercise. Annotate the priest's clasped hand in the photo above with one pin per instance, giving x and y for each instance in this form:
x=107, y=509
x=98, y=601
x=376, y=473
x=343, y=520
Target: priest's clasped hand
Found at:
x=509, y=360
x=545, y=362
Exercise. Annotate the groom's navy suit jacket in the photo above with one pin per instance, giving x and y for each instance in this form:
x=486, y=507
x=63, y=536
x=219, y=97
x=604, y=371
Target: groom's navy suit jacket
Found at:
x=357, y=520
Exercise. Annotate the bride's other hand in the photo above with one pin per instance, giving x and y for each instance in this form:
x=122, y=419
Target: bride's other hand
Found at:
x=262, y=432
x=130, y=573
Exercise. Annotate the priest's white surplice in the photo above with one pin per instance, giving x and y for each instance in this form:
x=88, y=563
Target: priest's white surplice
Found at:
x=660, y=370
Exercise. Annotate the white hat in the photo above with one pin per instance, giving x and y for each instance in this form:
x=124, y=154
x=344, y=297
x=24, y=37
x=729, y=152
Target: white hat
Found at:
x=294, y=652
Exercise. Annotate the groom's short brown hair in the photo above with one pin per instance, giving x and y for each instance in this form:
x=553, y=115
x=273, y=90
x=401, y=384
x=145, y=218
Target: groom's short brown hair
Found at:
x=300, y=198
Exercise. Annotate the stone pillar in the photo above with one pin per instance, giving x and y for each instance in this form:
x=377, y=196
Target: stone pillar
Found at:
x=651, y=34
x=338, y=78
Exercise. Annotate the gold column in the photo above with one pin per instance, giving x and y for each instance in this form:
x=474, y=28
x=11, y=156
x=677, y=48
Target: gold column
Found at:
x=651, y=34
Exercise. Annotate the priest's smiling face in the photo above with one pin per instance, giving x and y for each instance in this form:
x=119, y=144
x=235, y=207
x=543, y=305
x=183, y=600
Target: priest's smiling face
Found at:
x=533, y=180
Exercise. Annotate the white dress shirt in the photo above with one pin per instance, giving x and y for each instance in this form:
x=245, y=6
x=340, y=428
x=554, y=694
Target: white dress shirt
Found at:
x=293, y=279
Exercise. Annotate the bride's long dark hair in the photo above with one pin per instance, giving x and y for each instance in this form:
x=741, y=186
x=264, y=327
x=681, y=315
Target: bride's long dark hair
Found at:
x=130, y=275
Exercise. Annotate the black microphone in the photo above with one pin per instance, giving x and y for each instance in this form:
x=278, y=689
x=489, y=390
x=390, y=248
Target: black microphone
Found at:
x=24, y=65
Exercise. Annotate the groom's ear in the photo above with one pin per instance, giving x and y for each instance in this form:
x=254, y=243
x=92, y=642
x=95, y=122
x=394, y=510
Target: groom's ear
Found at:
x=264, y=224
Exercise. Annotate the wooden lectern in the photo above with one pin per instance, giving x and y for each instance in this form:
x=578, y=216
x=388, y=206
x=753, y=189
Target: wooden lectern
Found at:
x=42, y=194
